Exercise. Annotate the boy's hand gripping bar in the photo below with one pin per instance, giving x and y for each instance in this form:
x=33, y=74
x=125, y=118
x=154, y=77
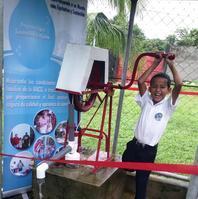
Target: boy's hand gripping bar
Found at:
x=157, y=55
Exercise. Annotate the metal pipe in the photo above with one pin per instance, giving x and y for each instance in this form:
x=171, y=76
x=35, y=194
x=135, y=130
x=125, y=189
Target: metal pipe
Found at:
x=192, y=189
x=44, y=165
x=57, y=156
x=127, y=52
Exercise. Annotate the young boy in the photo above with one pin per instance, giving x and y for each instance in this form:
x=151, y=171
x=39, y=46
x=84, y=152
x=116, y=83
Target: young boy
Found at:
x=156, y=109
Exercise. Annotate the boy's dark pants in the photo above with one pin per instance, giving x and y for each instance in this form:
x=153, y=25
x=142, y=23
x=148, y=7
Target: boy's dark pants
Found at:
x=137, y=152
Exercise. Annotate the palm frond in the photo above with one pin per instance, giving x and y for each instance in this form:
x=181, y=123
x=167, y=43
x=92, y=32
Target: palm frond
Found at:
x=105, y=33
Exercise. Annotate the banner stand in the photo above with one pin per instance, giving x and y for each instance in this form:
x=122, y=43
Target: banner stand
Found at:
x=23, y=191
x=1, y=64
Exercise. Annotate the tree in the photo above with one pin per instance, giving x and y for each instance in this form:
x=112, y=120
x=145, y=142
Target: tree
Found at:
x=187, y=38
x=111, y=34
x=103, y=33
x=154, y=45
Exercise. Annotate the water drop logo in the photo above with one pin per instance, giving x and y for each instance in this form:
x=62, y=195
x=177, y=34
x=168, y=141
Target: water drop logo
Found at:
x=31, y=33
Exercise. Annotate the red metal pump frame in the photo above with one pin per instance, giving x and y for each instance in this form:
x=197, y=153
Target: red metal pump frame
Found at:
x=108, y=89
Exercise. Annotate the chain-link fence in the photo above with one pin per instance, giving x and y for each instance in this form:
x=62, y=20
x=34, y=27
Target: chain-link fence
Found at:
x=171, y=26
x=175, y=23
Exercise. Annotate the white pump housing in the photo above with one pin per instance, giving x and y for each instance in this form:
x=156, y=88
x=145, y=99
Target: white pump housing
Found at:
x=77, y=66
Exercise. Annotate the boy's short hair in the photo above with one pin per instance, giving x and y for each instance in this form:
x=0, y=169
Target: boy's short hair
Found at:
x=162, y=75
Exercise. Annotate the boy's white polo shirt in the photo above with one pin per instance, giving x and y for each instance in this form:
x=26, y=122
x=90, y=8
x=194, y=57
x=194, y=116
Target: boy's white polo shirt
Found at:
x=153, y=118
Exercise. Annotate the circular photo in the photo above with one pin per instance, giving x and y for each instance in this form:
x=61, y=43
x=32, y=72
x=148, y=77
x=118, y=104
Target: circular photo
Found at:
x=22, y=136
x=45, y=121
x=21, y=166
x=44, y=147
x=60, y=132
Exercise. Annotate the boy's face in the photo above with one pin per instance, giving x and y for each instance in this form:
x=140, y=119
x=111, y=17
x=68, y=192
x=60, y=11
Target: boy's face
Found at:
x=159, y=89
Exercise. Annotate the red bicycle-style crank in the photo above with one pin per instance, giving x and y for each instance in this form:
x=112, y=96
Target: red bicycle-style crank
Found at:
x=86, y=100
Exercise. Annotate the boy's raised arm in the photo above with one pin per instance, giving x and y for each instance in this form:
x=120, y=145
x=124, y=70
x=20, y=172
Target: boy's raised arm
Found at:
x=177, y=79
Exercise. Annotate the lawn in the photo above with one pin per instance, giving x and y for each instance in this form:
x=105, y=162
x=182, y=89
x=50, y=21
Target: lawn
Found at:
x=178, y=144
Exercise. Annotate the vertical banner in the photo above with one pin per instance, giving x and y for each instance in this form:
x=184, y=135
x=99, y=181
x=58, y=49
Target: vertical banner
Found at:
x=35, y=36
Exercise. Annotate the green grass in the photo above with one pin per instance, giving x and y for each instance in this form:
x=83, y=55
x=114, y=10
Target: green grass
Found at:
x=180, y=140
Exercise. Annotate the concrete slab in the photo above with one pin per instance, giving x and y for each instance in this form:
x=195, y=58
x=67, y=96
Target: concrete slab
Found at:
x=77, y=183
x=84, y=174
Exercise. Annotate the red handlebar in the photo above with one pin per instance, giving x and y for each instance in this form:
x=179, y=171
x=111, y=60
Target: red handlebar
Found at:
x=96, y=86
x=165, y=55
x=170, y=56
